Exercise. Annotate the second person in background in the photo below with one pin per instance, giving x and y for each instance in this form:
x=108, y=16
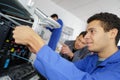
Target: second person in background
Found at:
x=74, y=50
x=56, y=32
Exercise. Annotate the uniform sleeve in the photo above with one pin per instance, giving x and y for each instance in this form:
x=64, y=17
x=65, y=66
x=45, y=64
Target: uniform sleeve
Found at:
x=54, y=67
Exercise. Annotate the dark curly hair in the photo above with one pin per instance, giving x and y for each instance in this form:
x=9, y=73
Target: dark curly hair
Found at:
x=108, y=21
x=54, y=15
x=83, y=33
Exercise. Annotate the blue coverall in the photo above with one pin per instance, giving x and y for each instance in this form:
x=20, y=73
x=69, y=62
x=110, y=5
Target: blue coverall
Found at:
x=55, y=36
x=54, y=67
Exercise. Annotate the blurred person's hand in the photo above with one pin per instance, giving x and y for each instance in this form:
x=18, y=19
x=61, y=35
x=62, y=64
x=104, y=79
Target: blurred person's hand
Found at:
x=66, y=50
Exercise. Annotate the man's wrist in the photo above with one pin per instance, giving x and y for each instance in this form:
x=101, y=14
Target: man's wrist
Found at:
x=36, y=43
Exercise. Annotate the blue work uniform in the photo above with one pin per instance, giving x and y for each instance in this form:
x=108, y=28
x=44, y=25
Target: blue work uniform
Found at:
x=55, y=36
x=51, y=65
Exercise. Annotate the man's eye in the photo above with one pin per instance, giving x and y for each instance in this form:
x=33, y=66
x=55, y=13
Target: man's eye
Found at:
x=92, y=31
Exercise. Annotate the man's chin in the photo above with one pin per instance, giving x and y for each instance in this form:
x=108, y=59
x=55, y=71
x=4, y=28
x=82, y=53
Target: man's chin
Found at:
x=90, y=48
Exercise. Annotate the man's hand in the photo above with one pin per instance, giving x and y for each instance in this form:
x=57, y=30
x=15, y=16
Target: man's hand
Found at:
x=26, y=36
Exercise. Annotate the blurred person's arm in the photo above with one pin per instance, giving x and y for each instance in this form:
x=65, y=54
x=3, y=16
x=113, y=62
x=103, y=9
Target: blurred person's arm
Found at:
x=50, y=29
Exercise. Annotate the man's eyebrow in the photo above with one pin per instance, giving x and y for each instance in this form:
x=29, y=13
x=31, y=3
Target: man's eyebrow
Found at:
x=90, y=29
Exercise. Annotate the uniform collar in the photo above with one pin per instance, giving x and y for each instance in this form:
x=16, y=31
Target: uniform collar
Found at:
x=112, y=59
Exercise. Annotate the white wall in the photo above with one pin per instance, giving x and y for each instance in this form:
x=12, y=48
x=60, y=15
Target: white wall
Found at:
x=48, y=7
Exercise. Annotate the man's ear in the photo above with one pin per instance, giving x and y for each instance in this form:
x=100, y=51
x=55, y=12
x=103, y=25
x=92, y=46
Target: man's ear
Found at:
x=113, y=33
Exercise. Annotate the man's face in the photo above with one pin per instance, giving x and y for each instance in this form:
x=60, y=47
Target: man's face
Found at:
x=80, y=42
x=97, y=39
x=55, y=18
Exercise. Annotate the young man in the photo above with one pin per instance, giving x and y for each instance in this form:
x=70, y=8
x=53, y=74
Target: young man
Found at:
x=74, y=50
x=103, y=32
x=56, y=32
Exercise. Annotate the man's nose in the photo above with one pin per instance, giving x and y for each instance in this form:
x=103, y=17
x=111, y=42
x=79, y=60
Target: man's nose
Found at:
x=87, y=35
